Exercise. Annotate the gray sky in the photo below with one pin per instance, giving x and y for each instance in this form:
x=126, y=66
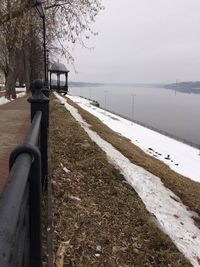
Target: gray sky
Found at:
x=151, y=41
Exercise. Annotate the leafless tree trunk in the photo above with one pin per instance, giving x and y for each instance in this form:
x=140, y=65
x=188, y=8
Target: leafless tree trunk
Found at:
x=27, y=69
x=11, y=77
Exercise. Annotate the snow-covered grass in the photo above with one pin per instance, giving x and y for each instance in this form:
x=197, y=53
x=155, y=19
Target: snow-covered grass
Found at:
x=173, y=217
x=4, y=100
x=180, y=157
x=20, y=89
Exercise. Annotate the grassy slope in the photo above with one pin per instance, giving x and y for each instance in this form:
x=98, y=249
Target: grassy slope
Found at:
x=109, y=220
x=186, y=189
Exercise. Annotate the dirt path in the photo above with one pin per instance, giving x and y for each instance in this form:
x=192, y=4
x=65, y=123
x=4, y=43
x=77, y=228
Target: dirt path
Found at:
x=97, y=215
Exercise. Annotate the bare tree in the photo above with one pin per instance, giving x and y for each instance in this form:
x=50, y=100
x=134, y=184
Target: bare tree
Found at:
x=22, y=34
x=3, y=55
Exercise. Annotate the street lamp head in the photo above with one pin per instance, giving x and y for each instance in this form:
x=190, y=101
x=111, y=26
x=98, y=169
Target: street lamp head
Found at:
x=38, y=6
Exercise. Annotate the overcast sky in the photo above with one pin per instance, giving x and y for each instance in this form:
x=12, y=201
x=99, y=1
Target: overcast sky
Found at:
x=151, y=41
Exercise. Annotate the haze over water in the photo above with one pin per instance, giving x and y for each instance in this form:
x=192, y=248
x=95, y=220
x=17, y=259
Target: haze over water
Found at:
x=173, y=112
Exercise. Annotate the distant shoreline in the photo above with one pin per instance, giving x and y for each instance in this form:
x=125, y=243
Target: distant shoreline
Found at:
x=185, y=87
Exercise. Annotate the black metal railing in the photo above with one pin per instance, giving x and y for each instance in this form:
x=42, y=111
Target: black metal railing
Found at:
x=20, y=202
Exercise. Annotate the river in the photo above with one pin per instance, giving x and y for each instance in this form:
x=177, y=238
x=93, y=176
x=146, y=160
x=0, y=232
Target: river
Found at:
x=174, y=112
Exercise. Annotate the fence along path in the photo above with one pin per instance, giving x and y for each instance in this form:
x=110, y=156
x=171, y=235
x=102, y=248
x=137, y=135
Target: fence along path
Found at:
x=14, y=124
x=20, y=201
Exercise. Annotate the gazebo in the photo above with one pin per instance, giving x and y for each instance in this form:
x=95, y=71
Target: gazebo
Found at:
x=59, y=69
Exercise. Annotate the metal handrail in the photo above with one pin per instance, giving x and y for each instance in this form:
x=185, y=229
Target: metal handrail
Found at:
x=10, y=204
x=32, y=136
x=20, y=202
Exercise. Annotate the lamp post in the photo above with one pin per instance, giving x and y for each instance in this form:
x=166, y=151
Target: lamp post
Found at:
x=90, y=92
x=37, y=4
x=105, y=92
x=132, y=107
x=47, y=64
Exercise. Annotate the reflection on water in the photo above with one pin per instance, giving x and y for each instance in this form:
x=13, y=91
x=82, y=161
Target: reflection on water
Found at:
x=174, y=112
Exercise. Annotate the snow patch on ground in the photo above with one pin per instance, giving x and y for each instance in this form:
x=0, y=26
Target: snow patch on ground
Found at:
x=64, y=168
x=172, y=215
x=4, y=100
x=21, y=94
x=20, y=89
x=180, y=157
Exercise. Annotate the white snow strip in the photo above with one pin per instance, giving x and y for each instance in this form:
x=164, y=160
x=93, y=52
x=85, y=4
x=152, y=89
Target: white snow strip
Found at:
x=183, y=158
x=4, y=100
x=173, y=216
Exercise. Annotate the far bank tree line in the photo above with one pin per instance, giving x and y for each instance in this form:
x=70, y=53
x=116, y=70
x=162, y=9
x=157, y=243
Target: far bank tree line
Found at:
x=21, y=36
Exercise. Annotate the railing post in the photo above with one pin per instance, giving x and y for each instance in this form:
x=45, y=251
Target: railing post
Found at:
x=45, y=89
x=40, y=102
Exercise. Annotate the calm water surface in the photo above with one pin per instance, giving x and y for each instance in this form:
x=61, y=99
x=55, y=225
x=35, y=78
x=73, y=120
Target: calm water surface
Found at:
x=174, y=112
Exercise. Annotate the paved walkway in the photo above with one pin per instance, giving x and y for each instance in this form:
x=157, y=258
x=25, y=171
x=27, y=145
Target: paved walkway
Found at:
x=14, y=123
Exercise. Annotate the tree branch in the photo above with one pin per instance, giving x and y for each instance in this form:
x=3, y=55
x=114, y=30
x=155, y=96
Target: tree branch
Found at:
x=14, y=14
